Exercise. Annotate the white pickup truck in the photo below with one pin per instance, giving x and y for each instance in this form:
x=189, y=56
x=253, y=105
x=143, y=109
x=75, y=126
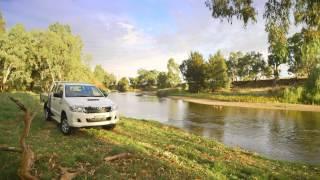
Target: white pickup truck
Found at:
x=75, y=105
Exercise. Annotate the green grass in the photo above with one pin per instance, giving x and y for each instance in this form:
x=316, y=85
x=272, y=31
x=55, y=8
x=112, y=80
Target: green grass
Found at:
x=158, y=151
x=262, y=95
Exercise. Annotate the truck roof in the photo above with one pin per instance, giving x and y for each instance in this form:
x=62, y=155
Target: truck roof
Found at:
x=72, y=83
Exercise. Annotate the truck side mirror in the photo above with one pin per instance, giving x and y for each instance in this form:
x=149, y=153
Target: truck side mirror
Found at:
x=58, y=95
x=104, y=93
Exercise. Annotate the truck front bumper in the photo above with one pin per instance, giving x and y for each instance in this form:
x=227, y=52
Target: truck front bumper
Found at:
x=77, y=119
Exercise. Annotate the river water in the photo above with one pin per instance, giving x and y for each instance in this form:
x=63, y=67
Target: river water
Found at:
x=276, y=134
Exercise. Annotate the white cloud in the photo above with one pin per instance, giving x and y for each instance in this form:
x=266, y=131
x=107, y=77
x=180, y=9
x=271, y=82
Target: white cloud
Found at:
x=122, y=45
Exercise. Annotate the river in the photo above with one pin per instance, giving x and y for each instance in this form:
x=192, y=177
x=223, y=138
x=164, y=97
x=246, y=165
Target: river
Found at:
x=276, y=134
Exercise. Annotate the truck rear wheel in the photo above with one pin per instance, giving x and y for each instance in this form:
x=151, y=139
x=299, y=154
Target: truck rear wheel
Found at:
x=46, y=111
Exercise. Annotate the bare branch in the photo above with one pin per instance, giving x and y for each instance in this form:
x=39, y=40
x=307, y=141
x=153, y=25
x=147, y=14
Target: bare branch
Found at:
x=10, y=149
x=27, y=157
x=118, y=156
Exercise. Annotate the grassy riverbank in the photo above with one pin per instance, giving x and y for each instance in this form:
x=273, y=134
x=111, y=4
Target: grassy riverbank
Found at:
x=253, y=95
x=158, y=151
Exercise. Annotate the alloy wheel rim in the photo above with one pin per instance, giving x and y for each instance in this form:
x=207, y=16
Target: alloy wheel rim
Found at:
x=65, y=126
x=46, y=114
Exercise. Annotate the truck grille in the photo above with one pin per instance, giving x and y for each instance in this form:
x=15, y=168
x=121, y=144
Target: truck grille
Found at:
x=97, y=109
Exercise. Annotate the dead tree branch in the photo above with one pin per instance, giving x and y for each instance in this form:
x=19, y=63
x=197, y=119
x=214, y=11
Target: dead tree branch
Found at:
x=118, y=156
x=27, y=157
x=10, y=149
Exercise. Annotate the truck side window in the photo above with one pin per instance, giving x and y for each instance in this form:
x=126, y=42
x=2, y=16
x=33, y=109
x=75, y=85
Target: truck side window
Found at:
x=59, y=90
x=54, y=88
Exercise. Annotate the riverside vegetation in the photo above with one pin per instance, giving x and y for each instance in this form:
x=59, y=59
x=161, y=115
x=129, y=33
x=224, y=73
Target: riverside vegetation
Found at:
x=31, y=59
x=156, y=151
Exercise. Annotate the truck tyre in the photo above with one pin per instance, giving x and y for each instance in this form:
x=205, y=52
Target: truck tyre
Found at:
x=109, y=127
x=64, y=126
x=46, y=111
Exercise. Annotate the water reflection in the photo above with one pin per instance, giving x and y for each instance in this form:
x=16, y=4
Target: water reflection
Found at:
x=285, y=135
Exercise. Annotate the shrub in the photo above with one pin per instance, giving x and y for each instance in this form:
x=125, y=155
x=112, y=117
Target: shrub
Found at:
x=292, y=95
x=167, y=92
x=312, y=87
x=123, y=85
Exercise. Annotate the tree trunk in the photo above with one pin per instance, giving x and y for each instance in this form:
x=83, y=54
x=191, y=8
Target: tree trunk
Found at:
x=5, y=77
x=50, y=69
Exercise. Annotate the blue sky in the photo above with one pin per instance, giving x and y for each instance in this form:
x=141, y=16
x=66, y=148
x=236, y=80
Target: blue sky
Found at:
x=126, y=35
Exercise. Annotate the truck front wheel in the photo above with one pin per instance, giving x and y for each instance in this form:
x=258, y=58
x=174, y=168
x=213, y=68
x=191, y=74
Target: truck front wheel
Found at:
x=64, y=126
x=109, y=127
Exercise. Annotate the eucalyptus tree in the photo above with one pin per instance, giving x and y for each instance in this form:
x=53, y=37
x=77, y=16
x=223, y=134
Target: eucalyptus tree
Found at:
x=217, y=72
x=232, y=64
x=99, y=73
x=147, y=78
x=13, y=56
x=194, y=72
x=173, y=75
x=277, y=15
x=2, y=24
x=133, y=82
x=295, y=62
x=162, y=80
x=123, y=84
x=107, y=79
x=252, y=66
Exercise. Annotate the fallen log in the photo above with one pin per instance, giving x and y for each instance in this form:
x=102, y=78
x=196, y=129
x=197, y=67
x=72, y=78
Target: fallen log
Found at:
x=68, y=174
x=27, y=157
x=118, y=156
x=10, y=149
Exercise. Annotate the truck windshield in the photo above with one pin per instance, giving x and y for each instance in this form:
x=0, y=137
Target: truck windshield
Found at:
x=82, y=91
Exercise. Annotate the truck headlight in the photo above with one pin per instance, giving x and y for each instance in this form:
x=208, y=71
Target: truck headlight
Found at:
x=114, y=107
x=77, y=108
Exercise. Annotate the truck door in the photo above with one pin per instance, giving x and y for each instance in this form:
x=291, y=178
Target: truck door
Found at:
x=56, y=101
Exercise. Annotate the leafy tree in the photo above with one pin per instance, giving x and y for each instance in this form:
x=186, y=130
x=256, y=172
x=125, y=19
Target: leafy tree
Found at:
x=2, y=24
x=193, y=71
x=70, y=51
x=107, y=79
x=217, y=72
x=13, y=55
x=307, y=12
x=110, y=80
x=173, y=76
x=252, y=66
x=133, y=82
x=36, y=58
x=232, y=64
x=99, y=73
x=162, y=80
x=277, y=15
x=295, y=55
x=310, y=49
x=123, y=84
x=146, y=78
x=277, y=24
x=311, y=92
x=242, y=9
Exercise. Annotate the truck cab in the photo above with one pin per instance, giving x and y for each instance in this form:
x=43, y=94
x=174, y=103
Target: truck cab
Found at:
x=76, y=105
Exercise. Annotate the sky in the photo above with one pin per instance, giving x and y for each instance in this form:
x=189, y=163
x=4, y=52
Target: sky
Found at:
x=126, y=35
